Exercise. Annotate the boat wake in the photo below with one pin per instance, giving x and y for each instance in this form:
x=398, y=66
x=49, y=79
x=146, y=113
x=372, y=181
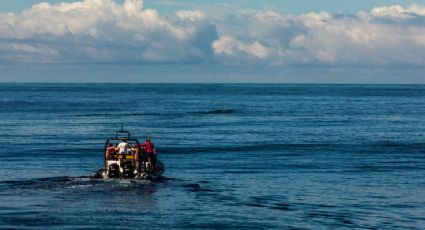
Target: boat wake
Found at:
x=83, y=182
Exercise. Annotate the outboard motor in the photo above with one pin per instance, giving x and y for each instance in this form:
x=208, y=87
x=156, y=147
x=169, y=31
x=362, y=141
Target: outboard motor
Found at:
x=147, y=166
x=113, y=171
x=128, y=170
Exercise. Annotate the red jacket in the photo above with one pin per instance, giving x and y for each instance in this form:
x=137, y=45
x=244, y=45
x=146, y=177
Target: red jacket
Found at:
x=149, y=147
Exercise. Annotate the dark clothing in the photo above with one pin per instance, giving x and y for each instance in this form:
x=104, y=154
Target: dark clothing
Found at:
x=152, y=156
x=144, y=155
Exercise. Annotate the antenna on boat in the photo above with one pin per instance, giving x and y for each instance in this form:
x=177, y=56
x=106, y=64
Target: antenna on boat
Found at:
x=122, y=131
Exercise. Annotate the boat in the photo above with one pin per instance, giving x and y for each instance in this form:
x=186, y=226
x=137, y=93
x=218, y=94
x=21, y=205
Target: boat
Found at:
x=130, y=164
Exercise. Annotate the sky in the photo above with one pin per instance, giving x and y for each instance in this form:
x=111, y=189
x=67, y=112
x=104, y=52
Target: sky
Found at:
x=236, y=41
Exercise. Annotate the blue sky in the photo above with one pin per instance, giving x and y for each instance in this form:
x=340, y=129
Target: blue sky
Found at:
x=362, y=41
x=288, y=6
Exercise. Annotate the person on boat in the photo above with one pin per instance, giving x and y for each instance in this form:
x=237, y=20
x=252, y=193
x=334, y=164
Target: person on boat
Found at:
x=150, y=152
x=110, y=150
x=138, y=154
x=142, y=152
x=123, y=147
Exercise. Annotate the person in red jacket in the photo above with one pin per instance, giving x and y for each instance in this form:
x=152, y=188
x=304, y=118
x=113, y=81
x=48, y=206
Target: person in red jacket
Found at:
x=151, y=153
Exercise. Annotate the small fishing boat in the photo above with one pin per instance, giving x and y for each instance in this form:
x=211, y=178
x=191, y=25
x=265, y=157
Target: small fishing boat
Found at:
x=126, y=158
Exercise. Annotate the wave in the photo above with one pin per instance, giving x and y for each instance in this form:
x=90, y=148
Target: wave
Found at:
x=37, y=183
x=66, y=182
x=182, y=113
x=386, y=147
x=403, y=145
x=217, y=111
x=246, y=148
x=119, y=114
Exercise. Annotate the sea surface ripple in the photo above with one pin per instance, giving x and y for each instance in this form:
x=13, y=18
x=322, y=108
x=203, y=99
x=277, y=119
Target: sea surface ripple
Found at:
x=245, y=156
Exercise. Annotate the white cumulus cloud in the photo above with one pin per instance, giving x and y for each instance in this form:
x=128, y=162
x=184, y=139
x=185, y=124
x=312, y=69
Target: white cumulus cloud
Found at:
x=103, y=30
x=386, y=36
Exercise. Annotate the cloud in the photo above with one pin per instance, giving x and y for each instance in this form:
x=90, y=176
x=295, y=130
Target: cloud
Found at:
x=237, y=52
x=105, y=31
x=397, y=11
x=386, y=36
x=102, y=30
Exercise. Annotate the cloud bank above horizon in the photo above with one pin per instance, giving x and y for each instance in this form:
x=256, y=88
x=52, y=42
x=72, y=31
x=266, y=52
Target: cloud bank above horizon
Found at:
x=104, y=31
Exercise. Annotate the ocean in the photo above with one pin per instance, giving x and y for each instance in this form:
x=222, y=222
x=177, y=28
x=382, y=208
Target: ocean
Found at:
x=250, y=156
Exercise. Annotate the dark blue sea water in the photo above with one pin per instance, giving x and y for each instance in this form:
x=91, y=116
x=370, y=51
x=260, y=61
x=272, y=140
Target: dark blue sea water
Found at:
x=236, y=156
